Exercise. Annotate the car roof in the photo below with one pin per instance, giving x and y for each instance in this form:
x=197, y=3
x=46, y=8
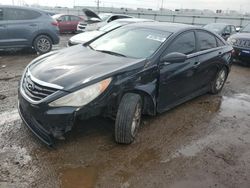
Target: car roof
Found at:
x=164, y=26
x=219, y=24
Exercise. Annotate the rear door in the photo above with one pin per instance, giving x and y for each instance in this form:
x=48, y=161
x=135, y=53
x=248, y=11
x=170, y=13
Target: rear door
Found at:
x=177, y=80
x=3, y=29
x=210, y=52
x=22, y=24
x=74, y=22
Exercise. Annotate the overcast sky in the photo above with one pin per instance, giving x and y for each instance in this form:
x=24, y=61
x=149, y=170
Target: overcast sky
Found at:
x=243, y=5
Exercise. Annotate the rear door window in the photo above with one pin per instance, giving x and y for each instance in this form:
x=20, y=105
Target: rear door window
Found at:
x=75, y=18
x=206, y=40
x=219, y=42
x=20, y=14
x=185, y=43
x=65, y=18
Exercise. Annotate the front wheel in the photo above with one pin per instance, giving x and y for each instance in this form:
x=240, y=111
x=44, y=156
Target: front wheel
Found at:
x=219, y=81
x=42, y=44
x=128, y=118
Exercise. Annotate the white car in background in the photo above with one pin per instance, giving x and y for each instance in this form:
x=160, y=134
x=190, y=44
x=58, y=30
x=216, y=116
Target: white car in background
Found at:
x=94, y=21
x=89, y=35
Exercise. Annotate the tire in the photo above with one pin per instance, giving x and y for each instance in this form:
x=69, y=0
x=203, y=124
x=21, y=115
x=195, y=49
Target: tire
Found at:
x=128, y=118
x=219, y=81
x=42, y=44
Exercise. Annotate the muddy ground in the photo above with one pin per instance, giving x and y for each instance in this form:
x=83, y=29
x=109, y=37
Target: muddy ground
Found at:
x=202, y=143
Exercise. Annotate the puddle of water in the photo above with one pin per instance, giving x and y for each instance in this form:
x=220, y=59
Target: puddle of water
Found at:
x=9, y=116
x=238, y=106
x=233, y=109
x=78, y=177
x=144, y=157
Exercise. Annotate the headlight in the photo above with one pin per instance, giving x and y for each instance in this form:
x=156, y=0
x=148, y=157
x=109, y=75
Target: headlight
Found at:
x=82, y=96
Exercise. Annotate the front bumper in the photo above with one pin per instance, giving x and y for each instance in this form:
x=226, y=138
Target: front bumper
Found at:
x=241, y=54
x=45, y=122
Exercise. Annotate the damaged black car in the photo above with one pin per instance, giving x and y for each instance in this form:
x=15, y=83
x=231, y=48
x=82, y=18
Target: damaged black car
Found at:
x=142, y=68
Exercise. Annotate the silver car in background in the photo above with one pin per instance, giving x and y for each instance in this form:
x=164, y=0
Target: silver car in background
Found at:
x=89, y=35
x=94, y=21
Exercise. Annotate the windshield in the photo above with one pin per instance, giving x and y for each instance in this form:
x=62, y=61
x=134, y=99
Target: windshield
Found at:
x=246, y=29
x=104, y=16
x=131, y=42
x=110, y=26
x=215, y=27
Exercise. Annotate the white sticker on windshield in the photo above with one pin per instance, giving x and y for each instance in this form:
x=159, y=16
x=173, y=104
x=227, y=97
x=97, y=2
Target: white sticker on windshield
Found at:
x=156, y=38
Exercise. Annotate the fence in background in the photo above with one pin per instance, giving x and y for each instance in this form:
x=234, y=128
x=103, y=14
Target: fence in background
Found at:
x=166, y=16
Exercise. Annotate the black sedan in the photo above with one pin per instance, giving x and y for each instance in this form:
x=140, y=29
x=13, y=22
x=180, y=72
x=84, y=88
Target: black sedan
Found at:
x=222, y=29
x=241, y=44
x=142, y=68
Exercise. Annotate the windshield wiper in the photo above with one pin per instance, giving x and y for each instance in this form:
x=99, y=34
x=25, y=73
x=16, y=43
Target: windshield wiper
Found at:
x=111, y=53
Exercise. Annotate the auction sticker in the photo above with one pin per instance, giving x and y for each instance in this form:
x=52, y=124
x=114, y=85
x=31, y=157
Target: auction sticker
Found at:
x=156, y=38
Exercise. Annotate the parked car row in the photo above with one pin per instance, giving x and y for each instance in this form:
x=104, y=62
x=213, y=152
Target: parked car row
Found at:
x=23, y=27
x=89, y=35
x=240, y=40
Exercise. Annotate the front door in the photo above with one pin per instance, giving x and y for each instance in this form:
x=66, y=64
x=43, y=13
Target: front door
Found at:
x=177, y=80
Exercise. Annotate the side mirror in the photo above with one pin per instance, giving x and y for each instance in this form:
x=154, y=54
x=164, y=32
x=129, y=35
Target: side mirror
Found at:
x=174, y=57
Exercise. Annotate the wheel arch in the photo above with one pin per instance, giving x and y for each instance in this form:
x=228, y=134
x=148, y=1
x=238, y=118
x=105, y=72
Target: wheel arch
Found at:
x=148, y=101
x=39, y=34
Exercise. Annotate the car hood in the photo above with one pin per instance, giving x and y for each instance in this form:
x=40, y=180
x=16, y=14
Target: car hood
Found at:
x=90, y=14
x=78, y=65
x=241, y=36
x=85, y=37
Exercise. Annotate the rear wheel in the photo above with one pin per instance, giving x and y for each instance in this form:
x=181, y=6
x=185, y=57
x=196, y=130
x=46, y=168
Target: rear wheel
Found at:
x=42, y=44
x=128, y=118
x=219, y=81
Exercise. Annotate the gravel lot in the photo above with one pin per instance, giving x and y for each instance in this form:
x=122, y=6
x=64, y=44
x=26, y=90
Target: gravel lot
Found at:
x=202, y=143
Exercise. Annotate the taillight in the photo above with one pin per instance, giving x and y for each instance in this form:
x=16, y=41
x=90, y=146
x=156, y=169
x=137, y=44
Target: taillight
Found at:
x=54, y=23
